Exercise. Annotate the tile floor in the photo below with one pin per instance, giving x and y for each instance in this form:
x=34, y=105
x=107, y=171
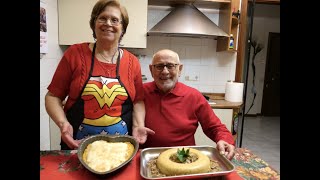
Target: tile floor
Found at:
x=261, y=135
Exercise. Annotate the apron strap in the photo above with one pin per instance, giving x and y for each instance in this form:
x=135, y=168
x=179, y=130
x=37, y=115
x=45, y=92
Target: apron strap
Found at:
x=90, y=72
x=118, y=65
x=92, y=60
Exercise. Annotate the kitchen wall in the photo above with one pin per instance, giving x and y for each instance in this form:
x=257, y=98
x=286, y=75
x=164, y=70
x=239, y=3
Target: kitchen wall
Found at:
x=48, y=64
x=266, y=19
x=209, y=69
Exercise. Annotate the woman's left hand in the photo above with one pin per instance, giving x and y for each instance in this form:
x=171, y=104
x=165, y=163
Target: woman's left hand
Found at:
x=141, y=133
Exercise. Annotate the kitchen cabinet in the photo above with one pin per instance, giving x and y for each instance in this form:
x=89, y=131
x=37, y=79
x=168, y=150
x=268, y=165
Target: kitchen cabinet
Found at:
x=226, y=117
x=74, y=17
x=229, y=24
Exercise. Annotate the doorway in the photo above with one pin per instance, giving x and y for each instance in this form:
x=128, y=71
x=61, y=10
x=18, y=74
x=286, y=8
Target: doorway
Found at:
x=271, y=89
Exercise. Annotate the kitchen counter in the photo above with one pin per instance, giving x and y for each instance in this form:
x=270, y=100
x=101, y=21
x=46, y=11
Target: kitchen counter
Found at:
x=223, y=104
x=66, y=165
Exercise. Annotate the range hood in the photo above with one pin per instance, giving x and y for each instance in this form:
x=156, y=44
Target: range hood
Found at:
x=187, y=21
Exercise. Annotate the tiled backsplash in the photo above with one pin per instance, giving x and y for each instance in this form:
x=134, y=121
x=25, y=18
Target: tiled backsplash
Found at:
x=200, y=61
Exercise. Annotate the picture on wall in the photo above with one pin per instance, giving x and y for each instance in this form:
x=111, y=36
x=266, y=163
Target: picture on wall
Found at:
x=43, y=29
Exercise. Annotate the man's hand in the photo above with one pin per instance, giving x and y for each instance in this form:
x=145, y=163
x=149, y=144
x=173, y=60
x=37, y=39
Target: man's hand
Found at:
x=225, y=149
x=141, y=133
x=67, y=135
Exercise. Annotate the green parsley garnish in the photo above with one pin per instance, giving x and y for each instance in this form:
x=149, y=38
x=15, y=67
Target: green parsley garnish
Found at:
x=182, y=155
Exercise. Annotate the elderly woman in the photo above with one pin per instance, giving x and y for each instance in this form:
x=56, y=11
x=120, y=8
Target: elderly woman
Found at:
x=102, y=82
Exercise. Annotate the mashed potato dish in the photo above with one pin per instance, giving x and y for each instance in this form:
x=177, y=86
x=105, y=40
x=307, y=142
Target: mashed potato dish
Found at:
x=103, y=156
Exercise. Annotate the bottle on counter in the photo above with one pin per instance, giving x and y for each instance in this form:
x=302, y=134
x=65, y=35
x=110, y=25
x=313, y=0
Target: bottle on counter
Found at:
x=231, y=43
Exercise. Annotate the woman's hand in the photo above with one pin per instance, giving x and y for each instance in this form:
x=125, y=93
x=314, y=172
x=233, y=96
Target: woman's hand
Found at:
x=226, y=149
x=67, y=135
x=141, y=133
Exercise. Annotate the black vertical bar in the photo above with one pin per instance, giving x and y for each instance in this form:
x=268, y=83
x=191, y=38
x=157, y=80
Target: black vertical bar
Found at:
x=247, y=72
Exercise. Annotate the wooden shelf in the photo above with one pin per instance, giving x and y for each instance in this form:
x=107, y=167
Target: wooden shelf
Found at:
x=232, y=50
x=235, y=21
x=229, y=24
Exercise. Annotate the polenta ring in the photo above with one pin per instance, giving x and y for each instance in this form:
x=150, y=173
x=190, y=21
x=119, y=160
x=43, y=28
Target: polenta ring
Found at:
x=169, y=167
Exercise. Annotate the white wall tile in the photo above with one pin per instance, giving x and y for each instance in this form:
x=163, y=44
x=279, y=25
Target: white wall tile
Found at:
x=160, y=46
x=208, y=56
x=162, y=39
x=209, y=42
x=226, y=59
x=232, y=75
x=186, y=41
x=193, y=52
x=145, y=71
x=193, y=55
x=219, y=89
x=206, y=88
x=221, y=74
x=47, y=69
x=192, y=71
x=180, y=49
x=192, y=85
x=206, y=75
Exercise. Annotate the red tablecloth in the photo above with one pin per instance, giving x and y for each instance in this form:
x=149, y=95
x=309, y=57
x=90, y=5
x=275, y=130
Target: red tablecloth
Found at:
x=60, y=165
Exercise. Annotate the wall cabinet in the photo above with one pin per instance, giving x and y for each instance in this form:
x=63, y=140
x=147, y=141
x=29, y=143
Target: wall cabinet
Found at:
x=226, y=117
x=74, y=16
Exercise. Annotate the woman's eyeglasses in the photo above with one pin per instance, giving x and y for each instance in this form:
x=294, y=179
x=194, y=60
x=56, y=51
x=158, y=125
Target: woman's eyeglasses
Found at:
x=169, y=66
x=113, y=21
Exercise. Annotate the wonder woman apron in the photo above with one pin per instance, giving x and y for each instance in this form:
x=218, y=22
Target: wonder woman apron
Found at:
x=103, y=107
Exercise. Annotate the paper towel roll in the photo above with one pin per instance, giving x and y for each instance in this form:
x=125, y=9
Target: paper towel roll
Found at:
x=234, y=92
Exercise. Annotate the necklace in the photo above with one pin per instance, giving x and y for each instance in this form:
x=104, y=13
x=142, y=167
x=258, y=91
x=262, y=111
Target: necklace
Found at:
x=107, y=70
x=106, y=59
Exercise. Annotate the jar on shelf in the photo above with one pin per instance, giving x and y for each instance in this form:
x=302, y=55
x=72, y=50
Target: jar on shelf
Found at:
x=231, y=42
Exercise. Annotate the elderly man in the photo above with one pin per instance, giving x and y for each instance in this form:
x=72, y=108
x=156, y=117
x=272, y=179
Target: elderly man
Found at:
x=173, y=109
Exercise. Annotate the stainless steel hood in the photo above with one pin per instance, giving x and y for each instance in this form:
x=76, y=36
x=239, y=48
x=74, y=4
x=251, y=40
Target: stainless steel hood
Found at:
x=187, y=21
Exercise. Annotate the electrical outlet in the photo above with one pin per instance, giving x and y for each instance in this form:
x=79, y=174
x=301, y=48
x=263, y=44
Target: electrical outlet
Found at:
x=192, y=77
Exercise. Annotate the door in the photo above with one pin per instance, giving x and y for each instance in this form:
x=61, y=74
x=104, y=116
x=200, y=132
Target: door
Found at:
x=271, y=90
